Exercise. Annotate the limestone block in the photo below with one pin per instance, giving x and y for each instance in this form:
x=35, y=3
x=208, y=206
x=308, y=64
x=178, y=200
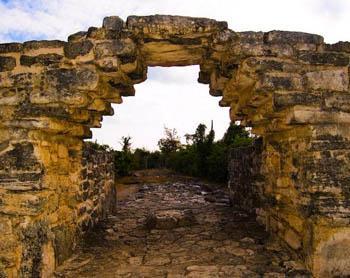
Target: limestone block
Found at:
x=21, y=81
x=101, y=106
x=77, y=36
x=283, y=100
x=51, y=110
x=35, y=45
x=170, y=219
x=338, y=101
x=75, y=49
x=51, y=96
x=288, y=82
x=114, y=23
x=265, y=64
x=333, y=80
x=338, y=47
x=108, y=64
x=11, y=97
x=7, y=63
x=5, y=226
x=162, y=26
x=293, y=239
x=120, y=47
x=68, y=79
x=223, y=40
x=167, y=54
x=279, y=50
x=10, y=47
x=42, y=59
x=249, y=44
x=332, y=252
x=24, y=204
x=287, y=37
x=324, y=58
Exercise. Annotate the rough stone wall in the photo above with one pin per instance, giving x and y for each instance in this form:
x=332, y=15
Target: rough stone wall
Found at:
x=246, y=184
x=298, y=103
x=97, y=190
x=40, y=226
x=290, y=87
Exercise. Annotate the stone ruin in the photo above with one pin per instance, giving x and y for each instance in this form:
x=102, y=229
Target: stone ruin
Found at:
x=290, y=87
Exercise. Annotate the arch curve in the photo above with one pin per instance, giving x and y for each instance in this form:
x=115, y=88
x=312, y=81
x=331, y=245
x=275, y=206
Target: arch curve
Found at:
x=290, y=87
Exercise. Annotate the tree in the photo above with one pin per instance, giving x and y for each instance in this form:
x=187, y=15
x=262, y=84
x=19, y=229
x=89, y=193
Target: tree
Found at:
x=204, y=157
x=140, y=159
x=123, y=159
x=171, y=142
x=236, y=135
x=126, y=144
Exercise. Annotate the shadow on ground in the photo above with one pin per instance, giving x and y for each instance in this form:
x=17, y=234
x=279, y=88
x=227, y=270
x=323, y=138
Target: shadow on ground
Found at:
x=172, y=226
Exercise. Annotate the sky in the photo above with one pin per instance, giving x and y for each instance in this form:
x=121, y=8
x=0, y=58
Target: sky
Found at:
x=170, y=96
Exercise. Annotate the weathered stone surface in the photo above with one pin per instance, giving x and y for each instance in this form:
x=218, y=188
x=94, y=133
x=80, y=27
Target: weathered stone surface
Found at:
x=7, y=63
x=170, y=219
x=114, y=23
x=97, y=188
x=169, y=26
x=34, y=45
x=286, y=37
x=43, y=59
x=68, y=79
x=108, y=64
x=77, y=36
x=338, y=47
x=34, y=238
x=283, y=99
x=74, y=49
x=245, y=175
x=10, y=47
x=219, y=245
x=328, y=58
x=333, y=80
x=20, y=170
x=122, y=48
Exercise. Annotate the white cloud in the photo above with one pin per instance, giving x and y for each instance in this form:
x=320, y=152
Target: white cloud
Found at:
x=180, y=105
x=59, y=18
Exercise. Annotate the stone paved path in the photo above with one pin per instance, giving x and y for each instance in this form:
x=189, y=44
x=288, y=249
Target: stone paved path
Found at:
x=179, y=230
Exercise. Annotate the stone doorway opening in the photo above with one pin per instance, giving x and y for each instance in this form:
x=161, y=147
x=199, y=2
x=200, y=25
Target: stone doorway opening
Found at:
x=170, y=97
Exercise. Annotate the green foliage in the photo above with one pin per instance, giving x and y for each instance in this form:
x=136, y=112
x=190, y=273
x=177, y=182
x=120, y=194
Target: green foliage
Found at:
x=217, y=162
x=236, y=136
x=203, y=157
x=144, y=159
x=99, y=147
x=126, y=144
x=171, y=143
x=123, y=159
x=184, y=161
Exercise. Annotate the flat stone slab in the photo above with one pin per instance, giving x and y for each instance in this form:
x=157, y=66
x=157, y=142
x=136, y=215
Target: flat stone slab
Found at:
x=170, y=219
x=171, y=231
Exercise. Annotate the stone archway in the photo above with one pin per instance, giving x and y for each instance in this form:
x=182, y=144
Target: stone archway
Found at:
x=291, y=88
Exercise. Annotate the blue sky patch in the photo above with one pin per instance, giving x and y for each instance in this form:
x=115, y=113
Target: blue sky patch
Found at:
x=22, y=37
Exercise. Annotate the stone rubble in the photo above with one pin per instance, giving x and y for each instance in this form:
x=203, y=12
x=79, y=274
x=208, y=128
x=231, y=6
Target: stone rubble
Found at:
x=170, y=230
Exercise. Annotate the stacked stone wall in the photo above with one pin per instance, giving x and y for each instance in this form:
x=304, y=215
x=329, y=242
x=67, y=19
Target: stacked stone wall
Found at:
x=245, y=180
x=40, y=225
x=97, y=189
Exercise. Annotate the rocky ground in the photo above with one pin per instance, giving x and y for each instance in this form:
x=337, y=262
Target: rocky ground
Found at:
x=180, y=228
